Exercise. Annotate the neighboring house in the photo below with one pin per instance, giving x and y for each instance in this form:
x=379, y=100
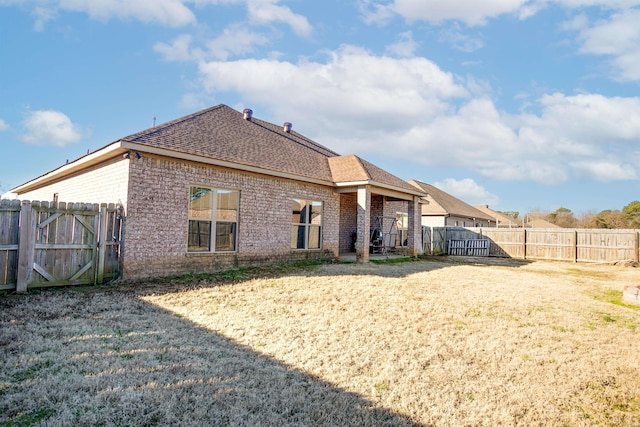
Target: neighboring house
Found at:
x=539, y=223
x=502, y=220
x=220, y=188
x=440, y=209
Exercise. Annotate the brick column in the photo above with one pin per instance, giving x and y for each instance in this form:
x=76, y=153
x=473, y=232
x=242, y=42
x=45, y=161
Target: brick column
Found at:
x=415, y=228
x=363, y=224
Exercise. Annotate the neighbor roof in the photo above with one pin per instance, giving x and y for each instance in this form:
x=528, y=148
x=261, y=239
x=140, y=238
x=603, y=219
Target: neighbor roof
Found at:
x=441, y=203
x=501, y=219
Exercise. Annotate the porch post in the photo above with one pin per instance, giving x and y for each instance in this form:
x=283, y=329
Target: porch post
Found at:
x=415, y=228
x=363, y=223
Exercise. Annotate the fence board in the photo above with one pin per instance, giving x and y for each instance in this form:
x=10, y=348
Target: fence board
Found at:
x=51, y=244
x=9, y=234
x=582, y=245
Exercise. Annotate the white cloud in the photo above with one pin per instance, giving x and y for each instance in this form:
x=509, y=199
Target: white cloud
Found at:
x=268, y=11
x=605, y=170
x=374, y=13
x=409, y=109
x=349, y=92
x=49, y=127
x=172, y=13
x=619, y=38
x=471, y=13
x=468, y=191
x=235, y=40
x=405, y=47
x=459, y=40
x=3, y=125
x=179, y=49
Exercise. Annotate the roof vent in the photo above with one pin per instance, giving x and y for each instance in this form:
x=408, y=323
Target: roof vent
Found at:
x=248, y=113
x=287, y=127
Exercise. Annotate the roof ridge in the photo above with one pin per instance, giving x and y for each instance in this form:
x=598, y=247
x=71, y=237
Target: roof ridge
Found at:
x=316, y=147
x=155, y=129
x=361, y=162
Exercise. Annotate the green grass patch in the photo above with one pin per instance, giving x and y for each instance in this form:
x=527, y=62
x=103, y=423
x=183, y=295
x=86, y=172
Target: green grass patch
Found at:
x=31, y=372
x=612, y=296
x=28, y=418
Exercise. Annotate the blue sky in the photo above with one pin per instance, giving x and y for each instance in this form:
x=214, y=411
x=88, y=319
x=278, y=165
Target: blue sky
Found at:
x=519, y=104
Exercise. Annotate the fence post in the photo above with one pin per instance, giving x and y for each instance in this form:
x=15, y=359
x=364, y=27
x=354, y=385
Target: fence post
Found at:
x=636, y=249
x=524, y=243
x=575, y=245
x=27, y=245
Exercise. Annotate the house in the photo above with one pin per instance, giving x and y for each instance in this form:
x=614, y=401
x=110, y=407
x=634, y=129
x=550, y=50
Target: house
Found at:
x=539, y=223
x=502, y=220
x=440, y=209
x=220, y=188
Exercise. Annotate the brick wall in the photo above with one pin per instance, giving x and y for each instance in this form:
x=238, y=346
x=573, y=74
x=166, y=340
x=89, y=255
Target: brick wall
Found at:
x=348, y=220
x=100, y=184
x=156, y=223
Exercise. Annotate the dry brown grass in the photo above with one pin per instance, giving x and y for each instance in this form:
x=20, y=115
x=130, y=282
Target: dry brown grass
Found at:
x=434, y=342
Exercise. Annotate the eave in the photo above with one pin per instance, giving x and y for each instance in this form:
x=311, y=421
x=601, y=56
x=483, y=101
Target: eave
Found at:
x=378, y=188
x=121, y=147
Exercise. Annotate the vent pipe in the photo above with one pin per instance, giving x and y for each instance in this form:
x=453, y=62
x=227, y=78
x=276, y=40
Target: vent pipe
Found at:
x=287, y=127
x=248, y=113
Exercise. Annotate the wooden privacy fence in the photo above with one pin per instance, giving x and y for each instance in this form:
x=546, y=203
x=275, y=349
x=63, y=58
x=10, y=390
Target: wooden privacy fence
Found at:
x=562, y=244
x=52, y=244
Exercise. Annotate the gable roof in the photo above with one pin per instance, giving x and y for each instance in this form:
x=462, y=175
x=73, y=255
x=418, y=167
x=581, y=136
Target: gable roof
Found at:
x=442, y=203
x=502, y=220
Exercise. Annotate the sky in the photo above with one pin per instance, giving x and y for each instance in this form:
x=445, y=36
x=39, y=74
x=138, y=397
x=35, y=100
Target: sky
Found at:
x=522, y=105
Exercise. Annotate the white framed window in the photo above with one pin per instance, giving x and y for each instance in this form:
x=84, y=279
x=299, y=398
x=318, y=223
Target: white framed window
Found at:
x=306, y=224
x=213, y=220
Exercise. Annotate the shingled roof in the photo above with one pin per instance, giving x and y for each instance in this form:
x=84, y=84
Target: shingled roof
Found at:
x=222, y=133
x=352, y=168
x=502, y=220
x=442, y=203
x=223, y=136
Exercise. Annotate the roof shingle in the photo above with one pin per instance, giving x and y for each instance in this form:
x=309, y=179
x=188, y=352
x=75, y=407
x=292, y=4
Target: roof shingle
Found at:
x=222, y=133
x=444, y=203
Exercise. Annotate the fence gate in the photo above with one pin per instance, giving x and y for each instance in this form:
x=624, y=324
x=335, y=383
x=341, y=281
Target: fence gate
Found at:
x=67, y=244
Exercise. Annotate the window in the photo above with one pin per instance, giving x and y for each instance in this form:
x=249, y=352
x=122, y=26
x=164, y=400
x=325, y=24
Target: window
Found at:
x=306, y=224
x=213, y=220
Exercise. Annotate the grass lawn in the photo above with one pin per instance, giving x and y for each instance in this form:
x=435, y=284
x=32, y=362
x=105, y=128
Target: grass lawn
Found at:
x=441, y=341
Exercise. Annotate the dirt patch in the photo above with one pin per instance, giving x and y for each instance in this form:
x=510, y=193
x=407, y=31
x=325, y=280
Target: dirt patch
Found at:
x=445, y=341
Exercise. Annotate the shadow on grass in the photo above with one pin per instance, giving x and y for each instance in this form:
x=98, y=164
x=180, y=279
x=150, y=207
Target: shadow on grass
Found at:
x=105, y=357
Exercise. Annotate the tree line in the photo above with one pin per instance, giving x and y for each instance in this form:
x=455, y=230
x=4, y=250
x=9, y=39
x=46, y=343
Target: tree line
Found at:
x=628, y=217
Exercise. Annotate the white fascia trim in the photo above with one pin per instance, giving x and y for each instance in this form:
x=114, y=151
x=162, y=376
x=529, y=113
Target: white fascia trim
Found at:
x=397, y=191
x=110, y=151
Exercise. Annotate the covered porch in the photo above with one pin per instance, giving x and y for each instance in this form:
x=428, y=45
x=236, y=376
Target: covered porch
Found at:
x=379, y=223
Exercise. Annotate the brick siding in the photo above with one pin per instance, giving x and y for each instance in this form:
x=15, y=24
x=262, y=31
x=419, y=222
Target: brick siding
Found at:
x=157, y=223
x=106, y=183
